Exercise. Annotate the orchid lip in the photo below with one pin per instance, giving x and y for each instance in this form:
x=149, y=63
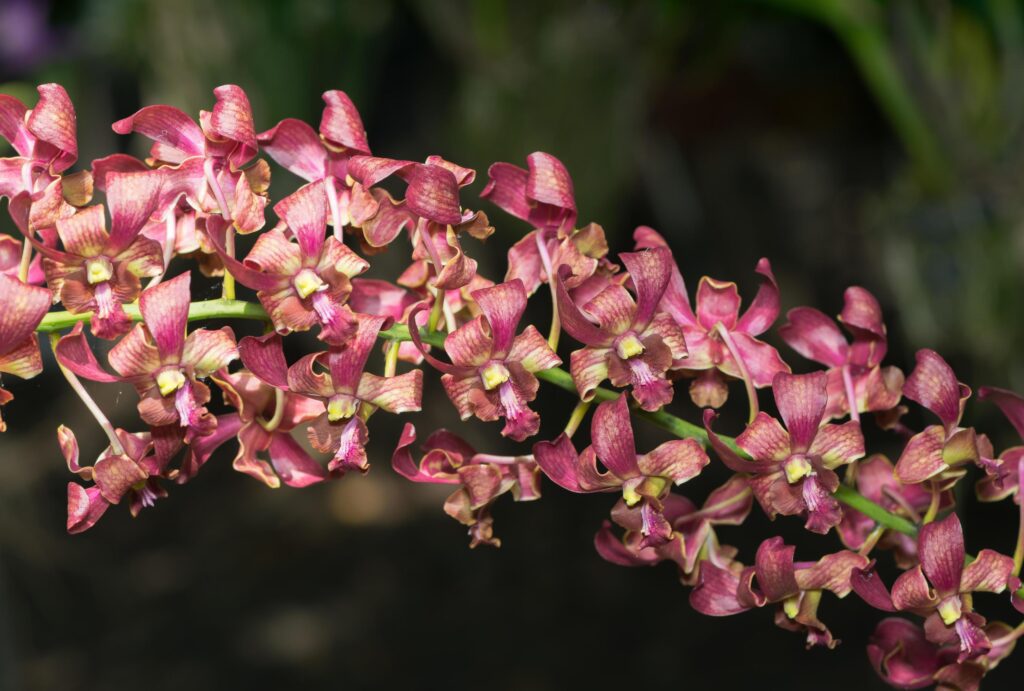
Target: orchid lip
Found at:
x=950, y=610
x=493, y=375
x=98, y=270
x=629, y=346
x=169, y=381
x=791, y=606
x=341, y=407
x=797, y=468
x=307, y=282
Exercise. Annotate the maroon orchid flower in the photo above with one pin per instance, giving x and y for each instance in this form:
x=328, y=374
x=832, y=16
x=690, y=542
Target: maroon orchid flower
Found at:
x=345, y=393
x=491, y=375
x=643, y=479
x=693, y=540
x=877, y=481
x=133, y=474
x=940, y=587
x=208, y=158
x=385, y=299
x=855, y=374
x=1003, y=473
x=720, y=341
x=543, y=197
x=940, y=451
x=324, y=158
x=431, y=211
x=792, y=471
x=481, y=478
x=627, y=341
x=776, y=578
x=263, y=424
x=24, y=308
x=99, y=271
x=301, y=283
x=160, y=361
x=903, y=657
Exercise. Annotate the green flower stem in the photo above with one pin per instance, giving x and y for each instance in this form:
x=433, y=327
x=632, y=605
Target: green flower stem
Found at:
x=240, y=309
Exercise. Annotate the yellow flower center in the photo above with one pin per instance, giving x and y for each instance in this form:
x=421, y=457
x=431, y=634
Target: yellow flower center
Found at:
x=169, y=381
x=796, y=469
x=307, y=283
x=949, y=610
x=629, y=346
x=494, y=375
x=791, y=606
x=98, y=270
x=341, y=407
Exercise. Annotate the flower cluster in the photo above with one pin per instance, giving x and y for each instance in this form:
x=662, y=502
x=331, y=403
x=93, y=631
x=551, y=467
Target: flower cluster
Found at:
x=631, y=319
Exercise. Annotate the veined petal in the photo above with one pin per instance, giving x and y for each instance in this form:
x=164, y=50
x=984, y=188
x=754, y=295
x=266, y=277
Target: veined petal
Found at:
x=208, y=351
x=990, y=572
x=433, y=194
x=24, y=308
x=762, y=361
x=902, y=656
x=678, y=460
x=305, y=213
x=85, y=507
x=815, y=336
x=801, y=399
x=650, y=271
x=165, y=310
x=941, y=549
x=12, y=125
x=765, y=308
x=1009, y=402
x=676, y=300
x=131, y=198
x=53, y=121
x=346, y=365
x=559, y=461
x=283, y=261
x=373, y=296
x=716, y=592
x=293, y=465
x=934, y=385
x=85, y=233
x=471, y=344
x=911, y=591
x=729, y=457
x=507, y=189
x=175, y=134
x=573, y=320
x=341, y=124
x=274, y=253
x=550, y=193
x=832, y=572
x=862, y=313
x=73, y=352
x=776, y=574
x=531, y=350
x=232, y=120
x=295, y=146
x=717, y=301
x=589, y=367
x=135, y=355
x=611, y=432
x=765, y=439
x=613, y=309
x=866, y=583
x=399, y=394
x=922, y=456
x=838, y=444
x=304, y=379
x=503, y=306
x=264, y=357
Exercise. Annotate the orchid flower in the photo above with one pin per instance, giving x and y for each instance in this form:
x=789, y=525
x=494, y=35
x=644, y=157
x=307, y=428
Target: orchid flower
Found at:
x=693, y=539
x=133, y=474
x=208, y=157
x=857, y=383
x=1003, y=474
x=301, y=283
x=720, y=341
x=160, y=361
x=24, y=307
x=903, y=657
x=939, y=451
x=776, y=578
x=491, y=375
x=940, y=588
x=324, y=158
x=643, y=479
x=385, y=299
x=792, y=471
x=628, y=341
x=345, y=393
x=99, y=271
x=481, y=478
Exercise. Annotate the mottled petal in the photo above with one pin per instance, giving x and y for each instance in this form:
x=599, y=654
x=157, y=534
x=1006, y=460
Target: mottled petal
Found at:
x=650, y=271
x=801, y=399
x=838, y=444
x=209, y=350
x=716, y=593
x=531, y=350
x=503, y=306
x=305, y=213
x=24, y=308
x=934, y=385
x=73, y=352
x=85, y=507
x=990, y=573
x=613, y=309
x=922, y=456
x=295, y=146
x=131, y=198
x=347, y=364
x=85, y=233
x=589, y=367
x=341, y=124
x=264, y=357
x=134, y=355
x=232, y=120
x=765, y=308
x=941, y=547
x=53, y=121
x=399, y=394
x=611, y=433
x=177, y=136
x=165, y=310
x=729, y=457
x=572, y=319
x=717, y=302
x=902, y=656
x=815, y=336
x=678, y=460
x=775, y=572
x=912, y=591
x=831, y=572
x=765, y=439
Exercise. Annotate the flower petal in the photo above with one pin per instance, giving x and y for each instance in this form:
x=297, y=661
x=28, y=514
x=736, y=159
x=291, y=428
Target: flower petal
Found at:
x=399, y=394
x=815, y=336
x=73, y=352
x=295, y=146
x=730, y=458
x=911, y=591
x=131, y=198
x=572, y=319
x=762, y=361
x=989, y=573
x=678, y=460
x=832, y=572
x=589, y=367
x=838, y=444
x=765, y=308
x=132, y=356
x=165, y=310
x=264, y=357
x=531, y=350
x=175, y=134
x=611, y=433
x=934, y=385
x=765, y=439
x=776, y=575
x=24, y=308
x=53, y=121
x=650, y=271
x=543, y=196
x=801, y=399
x=232, y=120
x=85, y=507
x=867, y=583
x=347, y=364
x=305, y=213
x=717, y=302
x=503, y=306
x=716, y=592
x=922, y=456
x=293, y=465
x=85, y=233
x=941, y=547
x=1009, y=402
x=209, y=350
x=341, y=124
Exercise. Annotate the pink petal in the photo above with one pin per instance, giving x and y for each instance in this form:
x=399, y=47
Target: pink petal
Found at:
x=303, y=378
x=613, y=309
x=831, y=572
x=815, y=336
x=433, y=193
x=934, y=385
x=650, y=271
x=177, y=136
x=867, y=583
x=775, y=572
x=838, y=444
x=731, y=459
x=902, y=656
x=862, y=313
x=341, y=124
x=765, y=308
x=717, y=302
x=765, y=439
x=85, y=233
x=209, y=350
x=611, y=432
x=1009, y=402
x=274, y=253
x=295, y=146
x=543, y=196
x=941, y=548
x=922, y=456
x=12, y=125
x=559, y=461
x=573, y=320
x=347, y=364
x=589, y=367
x=503, y=306
x=305, y=213
x=912, y=591
x=716, y=592
x=24, y=308
x=990, y=572
x=678, y=460
x=399, y=394
x=264, y=357
x=133, y=356
x=292, y=464
x=73, y=352
x=53, y=121
x=164, y=308
x=676, y=301
x=131, y=198
x=85, y=507
x=373, y=296
x=531, y=350
x=762, y=361
x=232, y=119
x=801, y=399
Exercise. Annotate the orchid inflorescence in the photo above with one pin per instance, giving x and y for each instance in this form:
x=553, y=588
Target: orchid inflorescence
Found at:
x=633, y=323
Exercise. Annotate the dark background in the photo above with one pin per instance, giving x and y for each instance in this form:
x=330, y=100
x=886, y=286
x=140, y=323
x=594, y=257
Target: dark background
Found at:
x=848, y=141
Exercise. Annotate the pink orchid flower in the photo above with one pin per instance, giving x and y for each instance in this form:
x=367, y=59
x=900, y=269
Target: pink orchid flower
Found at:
x=776, y=578
x=301, y=283
x=481, y=478
x=693, y=540
x=720, y=341
x=643, y=479
x=133, y=474
x=97, y=270
x=324, y=157
x=857, y=383
x=940, y=587
x=160, y=361
x=24, y=307
x=792, y=471
x=207, y=159
x=939, y=451
x=1003, y=474
x=491, y=375
x=346, y=395
x=628, y=341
